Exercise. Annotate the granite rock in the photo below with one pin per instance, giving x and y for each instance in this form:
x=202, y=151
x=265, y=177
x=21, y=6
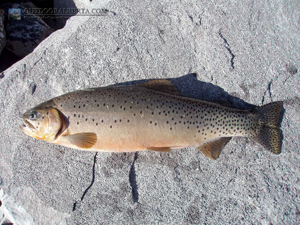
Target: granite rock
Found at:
x=242, y=51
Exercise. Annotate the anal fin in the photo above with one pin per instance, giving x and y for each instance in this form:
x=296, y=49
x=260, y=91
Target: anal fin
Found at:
x=82, y=140
x=213, y=149
x=159, y=149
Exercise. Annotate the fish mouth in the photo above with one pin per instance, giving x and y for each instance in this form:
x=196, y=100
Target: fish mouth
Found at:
x=27, y=125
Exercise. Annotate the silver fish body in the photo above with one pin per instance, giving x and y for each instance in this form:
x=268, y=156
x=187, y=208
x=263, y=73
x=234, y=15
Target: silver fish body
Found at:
x=139, y=117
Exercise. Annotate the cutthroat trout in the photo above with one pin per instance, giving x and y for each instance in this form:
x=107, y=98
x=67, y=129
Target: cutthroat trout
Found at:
x=149, y=116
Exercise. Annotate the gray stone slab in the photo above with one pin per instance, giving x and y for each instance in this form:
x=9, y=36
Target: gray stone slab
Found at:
x=242, y=51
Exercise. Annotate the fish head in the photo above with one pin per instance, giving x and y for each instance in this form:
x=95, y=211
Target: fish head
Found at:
x=43, y=123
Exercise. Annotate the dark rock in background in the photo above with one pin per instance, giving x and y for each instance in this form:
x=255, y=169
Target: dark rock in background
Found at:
x=2, y=31
x=61, y=19
x=24, y=35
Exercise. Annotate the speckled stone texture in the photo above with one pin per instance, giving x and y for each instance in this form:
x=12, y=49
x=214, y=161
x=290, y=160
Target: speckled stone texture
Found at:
x=242, y=51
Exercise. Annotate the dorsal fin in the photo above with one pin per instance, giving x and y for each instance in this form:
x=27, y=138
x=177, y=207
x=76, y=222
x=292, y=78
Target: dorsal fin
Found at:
x=213, y=148
x=161, y=85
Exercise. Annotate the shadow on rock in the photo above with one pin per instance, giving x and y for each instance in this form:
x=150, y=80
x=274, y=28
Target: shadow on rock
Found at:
x=189, y=86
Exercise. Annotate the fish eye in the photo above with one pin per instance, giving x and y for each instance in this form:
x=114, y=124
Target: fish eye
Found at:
x=33, y=115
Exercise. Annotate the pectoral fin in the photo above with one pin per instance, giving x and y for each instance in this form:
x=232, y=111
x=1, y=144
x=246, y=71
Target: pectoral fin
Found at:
x=82, y=140
x=213, y=148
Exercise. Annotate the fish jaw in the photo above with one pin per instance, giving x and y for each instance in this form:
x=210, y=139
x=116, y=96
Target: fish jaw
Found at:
x=30, y=129
x=27, y=128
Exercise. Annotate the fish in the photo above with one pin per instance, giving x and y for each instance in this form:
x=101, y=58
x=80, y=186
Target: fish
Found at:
x=150, y=116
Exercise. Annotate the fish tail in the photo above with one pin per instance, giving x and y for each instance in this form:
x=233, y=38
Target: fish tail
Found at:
x=270, y=136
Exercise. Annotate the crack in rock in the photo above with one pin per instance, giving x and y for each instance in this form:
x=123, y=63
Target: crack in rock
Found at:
x=227, y=46
x=268, y=90
x=91, y=184
x=198, y=21
x=32, y=86
x=132, y=180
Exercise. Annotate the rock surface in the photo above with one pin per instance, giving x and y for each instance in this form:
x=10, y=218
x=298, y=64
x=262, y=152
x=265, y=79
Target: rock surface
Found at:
x=241, y=51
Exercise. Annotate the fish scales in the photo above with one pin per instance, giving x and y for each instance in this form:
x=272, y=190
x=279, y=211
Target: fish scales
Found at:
x=131, y=118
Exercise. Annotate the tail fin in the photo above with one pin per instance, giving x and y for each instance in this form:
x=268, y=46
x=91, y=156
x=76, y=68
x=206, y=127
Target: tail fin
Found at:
x=270, y=136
